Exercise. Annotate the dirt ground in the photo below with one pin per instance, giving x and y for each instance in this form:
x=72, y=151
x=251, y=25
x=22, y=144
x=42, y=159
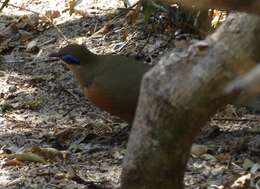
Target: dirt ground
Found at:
x=52, y=137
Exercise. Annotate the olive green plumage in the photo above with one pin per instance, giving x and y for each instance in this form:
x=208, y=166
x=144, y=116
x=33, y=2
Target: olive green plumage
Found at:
x=112, y=82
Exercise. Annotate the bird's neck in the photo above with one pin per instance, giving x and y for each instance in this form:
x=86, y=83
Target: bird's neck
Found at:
x=85, y=71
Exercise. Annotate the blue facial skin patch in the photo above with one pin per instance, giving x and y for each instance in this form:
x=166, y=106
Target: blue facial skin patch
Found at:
x=70, y=59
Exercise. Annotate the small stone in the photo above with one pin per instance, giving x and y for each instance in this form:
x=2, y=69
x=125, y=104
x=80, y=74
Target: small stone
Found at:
x=247, y=164
x=12, y=89
x=1, y=121
x=32, y=47
x=208, y=157
x=217, y=171
x=2, y=74
x=198, y=150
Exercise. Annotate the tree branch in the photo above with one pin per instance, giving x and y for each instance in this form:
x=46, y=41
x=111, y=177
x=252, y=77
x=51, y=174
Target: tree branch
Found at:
x=179, y=95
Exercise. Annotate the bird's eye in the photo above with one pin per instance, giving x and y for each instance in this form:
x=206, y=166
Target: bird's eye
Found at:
x=70, y=59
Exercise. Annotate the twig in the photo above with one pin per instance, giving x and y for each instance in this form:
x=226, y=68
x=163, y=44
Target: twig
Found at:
x=67, y=112
x=111, y=21
x=4, y=4
x=146, y=42
x=46, y=60
x=128, y=9
x=47, y=42
x=122, y=13
x=37, y=61
x=13, y=62
x=126, y=43
x=71, y=94
x=235, y=119
x=126, y=3
x=54, y=25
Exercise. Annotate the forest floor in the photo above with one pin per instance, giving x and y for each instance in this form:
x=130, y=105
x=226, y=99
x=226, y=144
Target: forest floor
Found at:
x=52, y=137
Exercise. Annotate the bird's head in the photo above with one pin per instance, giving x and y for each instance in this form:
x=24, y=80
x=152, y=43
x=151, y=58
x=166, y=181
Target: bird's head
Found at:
x=72, y=54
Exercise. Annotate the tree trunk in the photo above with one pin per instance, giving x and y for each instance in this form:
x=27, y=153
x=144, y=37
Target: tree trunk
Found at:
x=252, y=6
x=177, y=98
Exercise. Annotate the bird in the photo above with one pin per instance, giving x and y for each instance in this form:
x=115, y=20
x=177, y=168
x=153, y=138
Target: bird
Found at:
x=111, y=82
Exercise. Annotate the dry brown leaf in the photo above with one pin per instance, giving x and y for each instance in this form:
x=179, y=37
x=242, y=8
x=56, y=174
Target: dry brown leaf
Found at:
x=9, y=31
x=47, y=153
x=29, y=156
x=133, y=15
x=71, y=5
x=105, y=29
x=13, y=162
x=52, y=14
x=28, y=22
x=25, y=36
x=81, y=13
x=218, y=18
x=242, y=182
x=223, y=157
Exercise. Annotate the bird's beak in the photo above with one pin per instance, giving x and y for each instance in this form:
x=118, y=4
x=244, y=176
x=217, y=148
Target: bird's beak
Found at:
x=56, y=54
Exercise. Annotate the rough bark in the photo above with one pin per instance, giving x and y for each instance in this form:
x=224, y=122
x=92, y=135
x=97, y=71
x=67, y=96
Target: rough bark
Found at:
x=177, y=98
